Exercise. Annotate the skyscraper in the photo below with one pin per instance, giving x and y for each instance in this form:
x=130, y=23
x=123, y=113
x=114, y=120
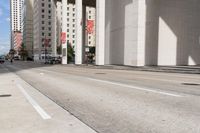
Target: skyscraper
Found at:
x=16, y=19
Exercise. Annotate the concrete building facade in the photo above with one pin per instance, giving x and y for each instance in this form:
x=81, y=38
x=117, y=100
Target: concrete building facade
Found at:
x=27, y=26
x=44, y=28
x=71, y=21
x=142, y=32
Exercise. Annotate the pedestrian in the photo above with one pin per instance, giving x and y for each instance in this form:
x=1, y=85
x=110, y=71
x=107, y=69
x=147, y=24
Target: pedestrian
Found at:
x=11, y=60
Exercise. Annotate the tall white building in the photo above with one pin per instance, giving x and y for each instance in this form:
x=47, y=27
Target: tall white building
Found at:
x=44, y=28
x=15, y=18
x=71, y=21
x=47, y=25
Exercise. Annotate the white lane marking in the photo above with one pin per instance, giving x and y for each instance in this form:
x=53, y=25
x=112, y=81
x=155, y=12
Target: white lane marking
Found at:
x=136, y=87
x=41, y=73
x=124, y=85
x=49, y=71
x=42, y=113
x=165, y=80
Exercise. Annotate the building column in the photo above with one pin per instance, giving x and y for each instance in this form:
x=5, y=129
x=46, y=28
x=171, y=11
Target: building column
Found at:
x=84, y=33
x=79, y=32
x=54, y=41
x=64, y=30
x=141, y=32
x=100, y=32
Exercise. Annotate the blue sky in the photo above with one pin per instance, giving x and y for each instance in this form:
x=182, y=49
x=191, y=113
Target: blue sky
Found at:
x=4, y=26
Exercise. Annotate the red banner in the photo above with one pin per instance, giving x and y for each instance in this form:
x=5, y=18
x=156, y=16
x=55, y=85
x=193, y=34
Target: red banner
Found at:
x=63, y=37
x=90, y=26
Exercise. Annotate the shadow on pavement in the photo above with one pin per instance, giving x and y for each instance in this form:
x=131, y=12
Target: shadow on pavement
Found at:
x=20, y=65
x=25, y=65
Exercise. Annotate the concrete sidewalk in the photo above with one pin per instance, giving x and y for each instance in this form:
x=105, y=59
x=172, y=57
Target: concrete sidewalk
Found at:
x=165, y=69
x=25, y=110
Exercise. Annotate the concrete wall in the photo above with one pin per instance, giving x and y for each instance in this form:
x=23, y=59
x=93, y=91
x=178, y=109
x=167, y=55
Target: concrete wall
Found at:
x=121, y=32
x=152, y=32
x=172, y=32
x=181, y=17
x=151, y=36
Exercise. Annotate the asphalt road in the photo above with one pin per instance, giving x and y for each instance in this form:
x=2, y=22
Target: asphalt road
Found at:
x=119, y=101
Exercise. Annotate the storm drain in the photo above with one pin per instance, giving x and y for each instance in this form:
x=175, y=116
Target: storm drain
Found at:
x=100, y=73
x=191, y=84
x=5, y=95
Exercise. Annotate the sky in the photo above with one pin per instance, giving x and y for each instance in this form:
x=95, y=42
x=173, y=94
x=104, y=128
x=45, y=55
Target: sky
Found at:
x=4, y=26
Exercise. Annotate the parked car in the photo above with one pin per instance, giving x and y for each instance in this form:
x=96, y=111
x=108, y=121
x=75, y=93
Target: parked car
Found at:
x=16, y=58
x=2, y=60
x=54, y=60
x=29, y=59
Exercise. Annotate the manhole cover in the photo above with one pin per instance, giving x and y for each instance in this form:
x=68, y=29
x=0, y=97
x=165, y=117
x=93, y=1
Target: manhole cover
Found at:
x=192, y=84
x=6, y=95
x=100, y=73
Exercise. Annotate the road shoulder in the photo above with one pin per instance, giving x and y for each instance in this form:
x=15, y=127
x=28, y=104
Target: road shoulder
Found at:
x=19, y=115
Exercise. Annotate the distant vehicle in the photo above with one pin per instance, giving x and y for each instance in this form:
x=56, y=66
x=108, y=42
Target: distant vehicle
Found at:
x=29, y=59
x=2, y=60
x=54, y=60
x=16, y=58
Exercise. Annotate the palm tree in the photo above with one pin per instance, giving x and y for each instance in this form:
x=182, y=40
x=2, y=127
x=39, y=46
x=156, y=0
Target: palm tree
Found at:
x=12, y=52
x=23, y=52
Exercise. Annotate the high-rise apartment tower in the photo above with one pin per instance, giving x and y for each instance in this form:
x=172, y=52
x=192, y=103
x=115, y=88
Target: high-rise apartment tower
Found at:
x=15, y=19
